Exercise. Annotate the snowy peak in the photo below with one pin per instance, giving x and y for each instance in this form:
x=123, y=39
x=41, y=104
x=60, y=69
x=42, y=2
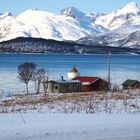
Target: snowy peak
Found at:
x=34, y=12
x=6, y=14
x=95, y=15
x=128, y=15
x=72, y=12
x=130, y=8
x=83, y=19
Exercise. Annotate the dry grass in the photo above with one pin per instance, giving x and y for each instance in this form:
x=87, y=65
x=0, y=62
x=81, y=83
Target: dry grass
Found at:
x=77, y=101
x=33, y=99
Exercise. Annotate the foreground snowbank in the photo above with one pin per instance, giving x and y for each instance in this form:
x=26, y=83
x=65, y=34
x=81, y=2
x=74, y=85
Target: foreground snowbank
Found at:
x=35, y=126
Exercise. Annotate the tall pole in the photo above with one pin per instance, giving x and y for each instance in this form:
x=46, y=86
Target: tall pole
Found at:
x=109, y=81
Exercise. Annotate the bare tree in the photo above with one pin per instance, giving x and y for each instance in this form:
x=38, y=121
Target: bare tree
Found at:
x=115, y=88
x=25, y=72
x=40, y=77
x=45, y=84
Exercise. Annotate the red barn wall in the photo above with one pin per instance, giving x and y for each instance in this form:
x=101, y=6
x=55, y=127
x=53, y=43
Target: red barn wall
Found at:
x=84, y=88
x=99, y=85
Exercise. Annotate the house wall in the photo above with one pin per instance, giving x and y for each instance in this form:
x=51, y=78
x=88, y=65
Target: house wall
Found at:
x=54, y=87
x=70, y=87
x=134, y=86
x=99, y=85
x=84, y=88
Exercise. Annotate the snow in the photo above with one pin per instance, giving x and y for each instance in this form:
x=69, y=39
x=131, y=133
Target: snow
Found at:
x=127, y=36
x=120, y=102
x=71, y=116
x=69, y=127
x=73, y=24
x=42, y=24
x=72, y=12
x=55, y=26
x=129, y=8
x=129, y=14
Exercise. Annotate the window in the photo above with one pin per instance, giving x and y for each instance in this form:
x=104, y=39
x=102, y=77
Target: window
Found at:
x=56, y=87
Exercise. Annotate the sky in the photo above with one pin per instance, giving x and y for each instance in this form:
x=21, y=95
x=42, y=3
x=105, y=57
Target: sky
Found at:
x=101, y=6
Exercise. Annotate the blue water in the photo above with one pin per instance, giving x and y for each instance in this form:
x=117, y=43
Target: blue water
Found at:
x=122, y=67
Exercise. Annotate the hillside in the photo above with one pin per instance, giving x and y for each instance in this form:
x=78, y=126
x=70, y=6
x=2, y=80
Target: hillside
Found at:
x=38, y=45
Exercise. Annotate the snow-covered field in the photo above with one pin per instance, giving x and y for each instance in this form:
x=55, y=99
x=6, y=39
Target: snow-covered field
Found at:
x=91, y=102
x=37, y=126
x=71, y=116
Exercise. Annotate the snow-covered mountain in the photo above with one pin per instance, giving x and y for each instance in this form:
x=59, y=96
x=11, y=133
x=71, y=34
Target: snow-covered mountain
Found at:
x=128, y=36
x=124, y=26
x=41, y=24
x=72, y=12
x=118, y=28
x=128, y=15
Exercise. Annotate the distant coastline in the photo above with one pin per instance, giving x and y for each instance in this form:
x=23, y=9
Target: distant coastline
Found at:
x=2, y=53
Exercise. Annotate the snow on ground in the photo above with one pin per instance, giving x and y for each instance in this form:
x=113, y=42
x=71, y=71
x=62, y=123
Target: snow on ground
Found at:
x=71, y=116
x=69, y=127
x=91, y=102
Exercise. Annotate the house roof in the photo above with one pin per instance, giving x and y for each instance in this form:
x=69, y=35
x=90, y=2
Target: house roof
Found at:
x=85, y=79
x=64, y=81
x=129, y=82
x=74, y=69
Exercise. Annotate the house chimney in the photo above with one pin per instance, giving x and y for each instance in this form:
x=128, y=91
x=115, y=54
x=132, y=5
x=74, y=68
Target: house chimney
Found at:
x=62, y=78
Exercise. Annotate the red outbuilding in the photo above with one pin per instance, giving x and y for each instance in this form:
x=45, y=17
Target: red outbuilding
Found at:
x=92, y=83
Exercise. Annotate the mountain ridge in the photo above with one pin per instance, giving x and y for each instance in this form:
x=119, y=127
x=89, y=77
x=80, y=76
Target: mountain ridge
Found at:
x=75, y=25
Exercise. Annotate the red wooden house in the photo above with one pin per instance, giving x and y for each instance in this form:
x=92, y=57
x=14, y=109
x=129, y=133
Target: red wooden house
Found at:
x=92, y=83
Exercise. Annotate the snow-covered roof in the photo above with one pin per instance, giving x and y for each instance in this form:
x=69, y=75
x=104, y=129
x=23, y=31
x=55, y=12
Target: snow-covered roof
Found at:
x=64, y=81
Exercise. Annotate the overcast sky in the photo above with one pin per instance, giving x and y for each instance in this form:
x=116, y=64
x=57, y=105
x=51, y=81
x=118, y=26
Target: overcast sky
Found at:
x=102, y=6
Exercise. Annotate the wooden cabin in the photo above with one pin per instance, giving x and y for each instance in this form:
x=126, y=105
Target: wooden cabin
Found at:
x=131, y=84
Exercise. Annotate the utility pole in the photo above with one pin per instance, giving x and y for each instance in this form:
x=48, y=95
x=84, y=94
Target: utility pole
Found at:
x=109, y=75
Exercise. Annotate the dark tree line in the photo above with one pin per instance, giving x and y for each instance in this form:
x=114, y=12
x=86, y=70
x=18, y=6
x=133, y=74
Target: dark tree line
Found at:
x=27, y=72
x=38, y=45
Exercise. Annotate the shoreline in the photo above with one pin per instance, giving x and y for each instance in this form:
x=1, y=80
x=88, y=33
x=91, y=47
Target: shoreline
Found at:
x=133, y=54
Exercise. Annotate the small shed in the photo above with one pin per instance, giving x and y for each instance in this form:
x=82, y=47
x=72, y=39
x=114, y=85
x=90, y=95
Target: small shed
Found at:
x=62, y=86
x=131, y=84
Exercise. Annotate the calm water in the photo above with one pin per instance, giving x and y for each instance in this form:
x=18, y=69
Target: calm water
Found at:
x=122, y=67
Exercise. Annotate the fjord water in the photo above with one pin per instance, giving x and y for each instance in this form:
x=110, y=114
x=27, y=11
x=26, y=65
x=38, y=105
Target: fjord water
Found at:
x=122, y=67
